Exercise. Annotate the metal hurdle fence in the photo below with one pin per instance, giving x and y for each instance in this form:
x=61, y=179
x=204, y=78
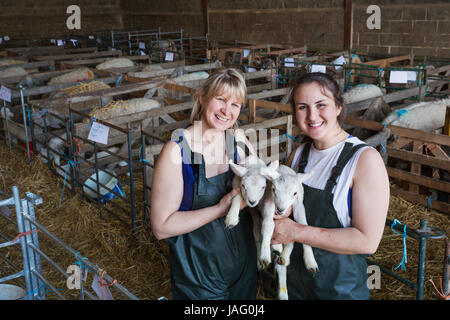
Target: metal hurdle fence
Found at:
x=421, y=235
x=36, y=284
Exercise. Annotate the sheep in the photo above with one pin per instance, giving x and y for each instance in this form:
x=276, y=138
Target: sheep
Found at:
x=55, y=144
x=286, y=190
x=5, y=110
x=73, y=76
x=426, y=116
x=115, y=63
x=13, y=72
x=248, y=176
x=123, y=107
x=362, y=92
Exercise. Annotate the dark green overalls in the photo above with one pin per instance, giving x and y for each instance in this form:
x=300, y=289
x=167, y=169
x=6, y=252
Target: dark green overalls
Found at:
x=212, y=262
x=340, y=276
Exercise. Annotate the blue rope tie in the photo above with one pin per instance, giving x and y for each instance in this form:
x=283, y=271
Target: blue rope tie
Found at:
x=290, y=137
x=401, y=112
x=69, y=163
x=383, y=148
x=119, y=80
x=429, y=201
x=404, y=260
x=141, y=159
x=80, y=263
x=384, y=124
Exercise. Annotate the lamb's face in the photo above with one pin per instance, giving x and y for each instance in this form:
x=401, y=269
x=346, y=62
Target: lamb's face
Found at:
x=253, y=187
x=286, y=189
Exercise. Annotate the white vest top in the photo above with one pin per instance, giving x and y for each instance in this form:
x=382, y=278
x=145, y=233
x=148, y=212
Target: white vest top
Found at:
x=321, y=162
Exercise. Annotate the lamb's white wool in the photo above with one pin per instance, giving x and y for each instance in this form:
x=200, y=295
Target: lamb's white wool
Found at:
x=249, y=177
x=362, y=92
x=55, y=144
x=73, y=76
x=426, y=116
x=286, y=191
x=123, y=107
x=115, y=63
x=13, y=72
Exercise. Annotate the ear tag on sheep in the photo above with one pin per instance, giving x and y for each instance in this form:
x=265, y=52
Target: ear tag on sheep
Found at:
x=99, y=133
x=5, y=93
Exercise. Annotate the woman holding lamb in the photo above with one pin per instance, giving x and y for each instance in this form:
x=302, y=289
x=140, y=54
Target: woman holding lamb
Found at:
x=191, y=193
x=346, y=200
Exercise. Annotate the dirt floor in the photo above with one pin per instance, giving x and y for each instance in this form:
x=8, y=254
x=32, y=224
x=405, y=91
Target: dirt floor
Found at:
x=140, y=264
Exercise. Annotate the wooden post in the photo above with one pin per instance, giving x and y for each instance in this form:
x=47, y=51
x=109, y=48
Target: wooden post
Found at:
x=447, y=122
x=415, y=167
x=252, y=111
x=348, y=25
x=205, y=16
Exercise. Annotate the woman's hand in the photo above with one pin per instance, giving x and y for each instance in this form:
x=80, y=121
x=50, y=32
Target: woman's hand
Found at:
x=225, y=202
x=285, y=231
x=284, y=215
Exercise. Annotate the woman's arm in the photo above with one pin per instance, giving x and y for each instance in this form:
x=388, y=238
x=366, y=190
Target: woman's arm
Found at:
x=370, y=203
x=167, y=194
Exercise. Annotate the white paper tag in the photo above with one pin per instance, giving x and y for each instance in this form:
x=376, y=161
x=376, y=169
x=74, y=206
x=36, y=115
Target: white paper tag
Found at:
x=6, y=38
x=289, y=62
x=143, y=53
x=319, y=68
x=246, y=53
x=5, y=93
x=339, y=62
x=142, y=45
x=91, y=37
x=251, y=69
x=169, y=56
x=398, y=77
x=60, y=43
x=1, y=40
x=412, y=75
x=52, y=41
x=97, y=287
x=99, y=133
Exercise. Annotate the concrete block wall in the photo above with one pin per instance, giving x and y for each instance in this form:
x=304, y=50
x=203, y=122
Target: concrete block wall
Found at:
x=407, y=26
x=47, y=18
x=170, y=15
x=319, y=24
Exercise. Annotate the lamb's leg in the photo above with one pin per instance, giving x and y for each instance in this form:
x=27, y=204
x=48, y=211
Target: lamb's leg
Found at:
x=284, y=258
x=267, y=231
x=308, y=255
x=282, y=281
x=257, y=234
x=232, y=218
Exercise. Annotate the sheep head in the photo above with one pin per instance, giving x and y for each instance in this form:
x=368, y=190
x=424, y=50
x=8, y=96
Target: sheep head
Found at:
x=286, y=187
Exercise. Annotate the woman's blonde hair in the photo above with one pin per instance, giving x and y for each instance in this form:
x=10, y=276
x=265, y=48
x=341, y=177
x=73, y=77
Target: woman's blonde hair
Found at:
x=227, y=82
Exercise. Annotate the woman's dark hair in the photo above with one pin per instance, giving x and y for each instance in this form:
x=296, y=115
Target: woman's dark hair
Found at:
x=326, y=82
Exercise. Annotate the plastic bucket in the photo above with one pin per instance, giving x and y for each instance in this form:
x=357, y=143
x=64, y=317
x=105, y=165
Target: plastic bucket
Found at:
x=11, y=292
x=106, y=178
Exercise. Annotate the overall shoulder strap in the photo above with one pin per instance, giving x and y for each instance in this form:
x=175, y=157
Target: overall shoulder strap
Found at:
x=304, y=158
x=346, y=154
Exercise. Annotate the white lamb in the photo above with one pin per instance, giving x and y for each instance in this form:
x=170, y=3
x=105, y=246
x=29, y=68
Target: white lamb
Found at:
x=249, y=176
x=362, y=92
x=286, y=190
x=426, y=116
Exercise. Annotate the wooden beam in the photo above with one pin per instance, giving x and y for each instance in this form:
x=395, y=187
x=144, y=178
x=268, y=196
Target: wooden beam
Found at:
x=447, y=122
x=419, y=179
x=422, y=200
x=205, y=16
x=348, y=25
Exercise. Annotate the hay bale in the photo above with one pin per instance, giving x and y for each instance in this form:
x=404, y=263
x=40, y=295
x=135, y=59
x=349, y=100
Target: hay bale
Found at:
x=115, y=63
x=82, y=88
x=73, y=76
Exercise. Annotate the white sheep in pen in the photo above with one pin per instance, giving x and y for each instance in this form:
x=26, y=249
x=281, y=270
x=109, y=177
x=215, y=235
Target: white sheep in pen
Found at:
x=426, y=116
x=362, y=92
x=287, y=190
x=115, y=63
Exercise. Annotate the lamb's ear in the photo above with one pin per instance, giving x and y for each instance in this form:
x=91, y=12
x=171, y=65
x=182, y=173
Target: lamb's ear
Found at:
x=237, y=169
x=273, y=165
x=304, y=176
x=269, y=173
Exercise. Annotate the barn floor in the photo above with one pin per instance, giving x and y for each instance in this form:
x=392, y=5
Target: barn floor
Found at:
x=141, y=264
